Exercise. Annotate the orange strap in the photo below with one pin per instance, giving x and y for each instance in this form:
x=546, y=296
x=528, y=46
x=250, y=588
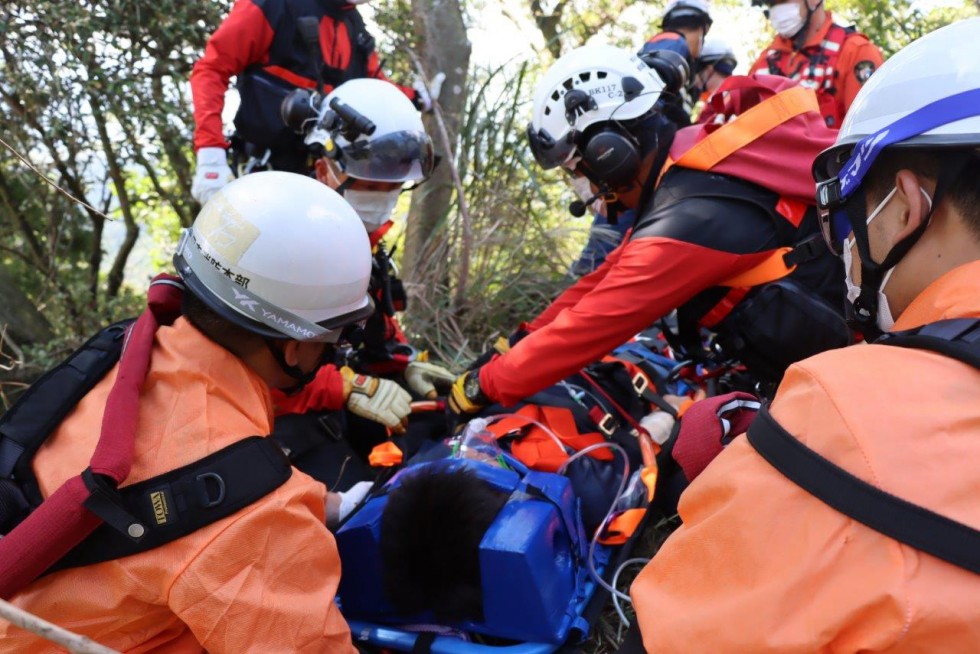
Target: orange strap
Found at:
x=724, y=307
x=620, y=528
x=773, y=268
x=385, y=455
x=746, y=128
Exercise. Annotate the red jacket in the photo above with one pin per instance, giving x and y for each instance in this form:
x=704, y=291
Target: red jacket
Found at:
x=263, y=33
x=680, y=250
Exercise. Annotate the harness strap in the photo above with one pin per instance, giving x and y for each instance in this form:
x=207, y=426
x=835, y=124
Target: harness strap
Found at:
x=25, y=426
x=958, y=338
x=61, y=522
x=925, y=530
x=746, y=128
x=179, y=502
x=892, y=516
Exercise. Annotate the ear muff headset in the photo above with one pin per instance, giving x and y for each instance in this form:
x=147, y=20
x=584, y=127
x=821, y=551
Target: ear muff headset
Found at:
x=611, y=156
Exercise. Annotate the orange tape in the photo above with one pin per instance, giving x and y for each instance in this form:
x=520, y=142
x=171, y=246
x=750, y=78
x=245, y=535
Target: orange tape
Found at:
x=386, y=455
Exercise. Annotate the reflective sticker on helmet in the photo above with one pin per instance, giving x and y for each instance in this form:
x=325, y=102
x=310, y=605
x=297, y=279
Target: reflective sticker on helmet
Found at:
x=226, y=233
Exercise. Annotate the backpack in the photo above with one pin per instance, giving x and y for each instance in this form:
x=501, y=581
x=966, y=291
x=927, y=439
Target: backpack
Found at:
x=115, y=522
x=750, y=126
x=263, y=87
x=892, y=516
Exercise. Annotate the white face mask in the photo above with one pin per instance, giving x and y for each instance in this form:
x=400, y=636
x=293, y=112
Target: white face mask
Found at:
x=787, y=18
x=885, y=320
x=373, y=207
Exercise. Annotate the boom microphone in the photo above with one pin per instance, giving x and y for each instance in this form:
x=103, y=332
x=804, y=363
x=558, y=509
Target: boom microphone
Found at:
x=578, y=207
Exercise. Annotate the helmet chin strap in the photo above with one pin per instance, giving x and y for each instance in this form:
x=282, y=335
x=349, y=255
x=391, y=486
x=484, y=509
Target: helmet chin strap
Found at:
x=302, y=378
x=863, y=315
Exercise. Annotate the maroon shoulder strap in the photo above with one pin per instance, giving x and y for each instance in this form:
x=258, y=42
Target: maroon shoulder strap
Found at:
x=71, y=513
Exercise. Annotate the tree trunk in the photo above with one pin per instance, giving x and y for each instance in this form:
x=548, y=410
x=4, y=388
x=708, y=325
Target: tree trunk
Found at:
x=439, y=27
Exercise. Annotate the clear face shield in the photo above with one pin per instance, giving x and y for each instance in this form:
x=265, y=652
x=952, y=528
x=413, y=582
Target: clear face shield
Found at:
x=397, y=157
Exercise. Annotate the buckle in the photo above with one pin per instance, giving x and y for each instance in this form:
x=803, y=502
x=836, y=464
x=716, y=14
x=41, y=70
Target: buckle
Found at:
x=829, y=194
x=607, y=424
x=640, y=383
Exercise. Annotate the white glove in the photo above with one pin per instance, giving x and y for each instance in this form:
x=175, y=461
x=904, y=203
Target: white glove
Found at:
x=380, y=400
x=428, y=96
x=659, y=424
x=340, y=505
x=423, y=377
x=212, y=173
x=350, y=498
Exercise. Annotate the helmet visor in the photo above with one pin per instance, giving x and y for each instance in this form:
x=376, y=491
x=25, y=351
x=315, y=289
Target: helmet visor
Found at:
x=548, y=152
x=397, y=157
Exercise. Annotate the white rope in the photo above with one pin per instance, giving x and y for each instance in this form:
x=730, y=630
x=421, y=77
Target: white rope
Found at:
x=30, y=622
x=51, y=181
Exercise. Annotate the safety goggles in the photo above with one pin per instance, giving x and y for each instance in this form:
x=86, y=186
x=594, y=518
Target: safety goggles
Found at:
x=835, y=225
x=397, y=157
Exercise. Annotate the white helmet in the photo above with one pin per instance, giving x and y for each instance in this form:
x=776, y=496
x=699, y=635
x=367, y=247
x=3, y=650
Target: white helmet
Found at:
x=926, y=96
x=589, y=85
x=886, y=114
x=280, y=255
x=397, y=149
x=697, y=11
x=716, y=52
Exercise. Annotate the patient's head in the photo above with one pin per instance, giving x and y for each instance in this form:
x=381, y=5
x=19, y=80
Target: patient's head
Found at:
x=431, y=530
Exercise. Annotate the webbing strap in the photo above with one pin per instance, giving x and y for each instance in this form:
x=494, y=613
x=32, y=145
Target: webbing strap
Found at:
x=179, y=502
x=958, y=338
x=772, y=268
x=892, y=516
x=746, y=128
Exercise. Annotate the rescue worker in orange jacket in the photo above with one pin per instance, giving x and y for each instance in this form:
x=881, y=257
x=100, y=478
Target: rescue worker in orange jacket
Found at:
x=263, y=42
x=694, y=231
x=820, y=54
x=760, y=564
x=264, y=578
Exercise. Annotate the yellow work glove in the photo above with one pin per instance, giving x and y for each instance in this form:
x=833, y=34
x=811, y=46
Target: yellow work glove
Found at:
x=502, y=345
x=423, y=378
x=466, y=395
x=380, y=400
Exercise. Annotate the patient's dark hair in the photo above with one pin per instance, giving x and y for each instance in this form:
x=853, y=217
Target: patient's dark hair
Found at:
x=430, y=542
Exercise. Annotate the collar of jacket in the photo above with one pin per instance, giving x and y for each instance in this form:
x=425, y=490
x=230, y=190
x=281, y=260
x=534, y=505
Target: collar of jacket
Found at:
x=956, y=294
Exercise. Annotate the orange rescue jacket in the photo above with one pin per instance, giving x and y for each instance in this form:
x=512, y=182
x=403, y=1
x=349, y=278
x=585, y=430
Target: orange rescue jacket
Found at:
x=835, y=62
x=761, y=565
x=261, y=580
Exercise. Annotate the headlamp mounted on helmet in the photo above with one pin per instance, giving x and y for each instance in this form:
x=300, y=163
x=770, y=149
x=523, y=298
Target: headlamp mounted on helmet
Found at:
x=402, y=156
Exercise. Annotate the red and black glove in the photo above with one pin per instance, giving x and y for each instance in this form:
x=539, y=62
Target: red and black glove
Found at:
x=708, y=426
